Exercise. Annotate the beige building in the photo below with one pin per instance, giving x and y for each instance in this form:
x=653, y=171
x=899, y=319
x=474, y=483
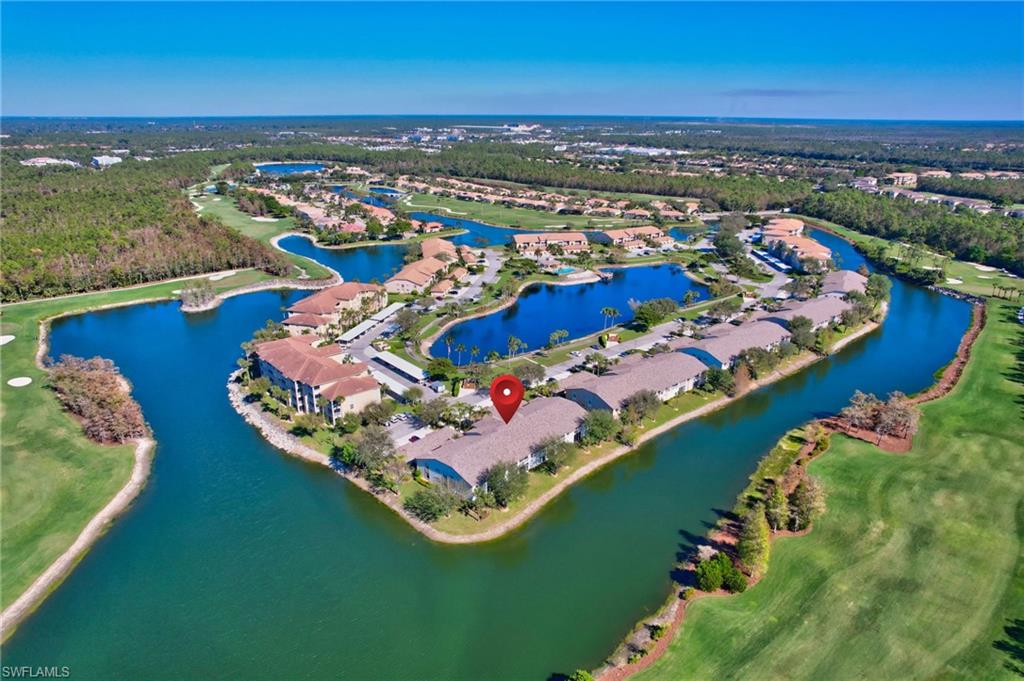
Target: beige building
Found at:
x=416, y=277
x=569, y=242
x=318, y=380
x=346, y=302
x=635, y=237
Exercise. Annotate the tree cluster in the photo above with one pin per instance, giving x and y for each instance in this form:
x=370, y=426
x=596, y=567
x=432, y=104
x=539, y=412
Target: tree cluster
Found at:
x=94, y=391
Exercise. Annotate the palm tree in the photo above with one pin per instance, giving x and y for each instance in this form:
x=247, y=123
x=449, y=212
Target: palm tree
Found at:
x=448, y=340
x=514, y=345
x=460, y=348
x=609, y=313
x=690, y=298
x=473, y=352
x=556, y=337
x=493, y=356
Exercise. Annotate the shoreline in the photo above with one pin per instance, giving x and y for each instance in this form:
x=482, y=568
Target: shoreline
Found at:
x=424, y=346
x=672, y=612
x=281, y=439
x=443, y=234
x=52, y=577
x=57, y=571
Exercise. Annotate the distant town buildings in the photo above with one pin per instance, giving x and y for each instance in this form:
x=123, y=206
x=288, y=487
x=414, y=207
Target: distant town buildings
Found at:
x=902, y=179
x=40, y=161
x=104, y=161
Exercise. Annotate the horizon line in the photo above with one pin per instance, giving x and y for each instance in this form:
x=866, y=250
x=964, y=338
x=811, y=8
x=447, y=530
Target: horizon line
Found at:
x=712, y=117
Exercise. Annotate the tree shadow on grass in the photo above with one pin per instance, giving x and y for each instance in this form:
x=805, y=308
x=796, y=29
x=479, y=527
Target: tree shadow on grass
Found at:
x=1013, y=646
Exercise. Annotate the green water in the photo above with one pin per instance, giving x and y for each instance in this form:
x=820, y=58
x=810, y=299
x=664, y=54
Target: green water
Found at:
x=238, y=562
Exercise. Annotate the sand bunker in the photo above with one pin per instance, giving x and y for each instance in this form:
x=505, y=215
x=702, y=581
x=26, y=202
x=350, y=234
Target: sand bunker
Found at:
x=985, y=268
x=265, y=219
x=222, y=275
x=4, y=340
x=19, y=382
x=954, y=280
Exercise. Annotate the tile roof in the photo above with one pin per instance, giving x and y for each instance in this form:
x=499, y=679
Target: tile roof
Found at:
x=328, y=299
x=435, y=246
x=297, y=359
x=346, y=387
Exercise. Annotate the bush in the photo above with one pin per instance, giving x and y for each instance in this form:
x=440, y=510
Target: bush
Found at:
x=688, y=593
x=709, y=573
x=719, y=571
x=306, y=424
x=581, y=675
x=734, y=581
x=432, y=503
x=507, y=482
x=93, y=390
x=639, y=406
x=599, y=426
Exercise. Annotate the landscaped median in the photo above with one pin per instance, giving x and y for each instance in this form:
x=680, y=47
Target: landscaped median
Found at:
x=915, y=570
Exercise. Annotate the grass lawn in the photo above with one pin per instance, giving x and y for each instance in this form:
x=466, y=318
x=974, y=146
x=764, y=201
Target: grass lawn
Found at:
x=915, y=570
x=503, y=216
x=541, y=481
x=974, y=281
x=225, y=211
x=54, y=479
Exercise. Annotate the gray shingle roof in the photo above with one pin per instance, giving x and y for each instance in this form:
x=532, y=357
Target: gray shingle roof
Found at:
x=725, y=344
x=656, y=373
x=492, y=441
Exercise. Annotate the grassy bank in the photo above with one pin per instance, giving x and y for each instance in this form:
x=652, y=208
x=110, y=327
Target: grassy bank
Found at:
x=503, y=216
x=970, y=278
x=54, y=479
x=224, y=210
x=916, y=568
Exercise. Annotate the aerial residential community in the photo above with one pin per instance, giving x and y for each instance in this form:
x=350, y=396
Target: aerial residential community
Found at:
x=708, y=368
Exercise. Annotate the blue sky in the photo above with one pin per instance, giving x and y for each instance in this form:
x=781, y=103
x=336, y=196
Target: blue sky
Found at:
x=829, y=60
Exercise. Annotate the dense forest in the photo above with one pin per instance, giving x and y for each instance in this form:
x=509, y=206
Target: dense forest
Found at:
x=1001, y=192
x=67, y=230
x=991, y=239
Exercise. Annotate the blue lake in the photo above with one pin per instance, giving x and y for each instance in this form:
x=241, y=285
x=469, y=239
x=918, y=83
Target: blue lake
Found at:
x=290, y=168
x=368, y=200
x=365, y=264
x=543, y=308
x=385, y=191
x=479, y=234
x=237, y=562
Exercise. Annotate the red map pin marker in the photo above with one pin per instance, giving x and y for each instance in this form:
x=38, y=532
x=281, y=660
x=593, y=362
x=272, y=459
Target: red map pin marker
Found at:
x=506, y=394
